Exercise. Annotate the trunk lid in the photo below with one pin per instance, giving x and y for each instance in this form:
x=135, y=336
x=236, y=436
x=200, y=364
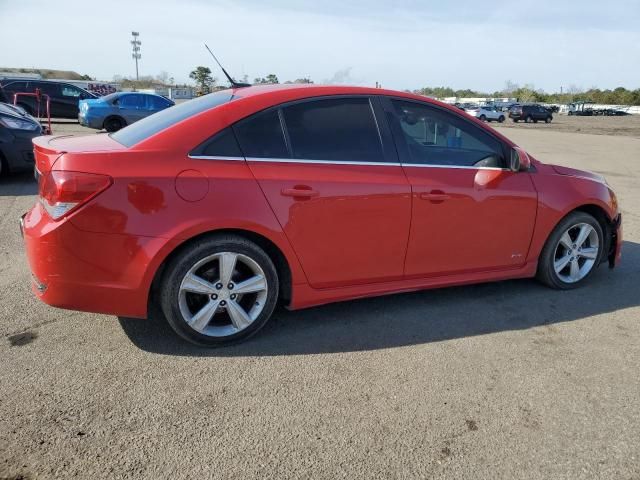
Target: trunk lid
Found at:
x=47, y=149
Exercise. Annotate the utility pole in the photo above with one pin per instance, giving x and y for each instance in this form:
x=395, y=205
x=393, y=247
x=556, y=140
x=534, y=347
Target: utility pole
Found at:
x=135, y=43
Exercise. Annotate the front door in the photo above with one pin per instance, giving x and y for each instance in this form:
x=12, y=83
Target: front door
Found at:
x=335, y=186
x=470, y=213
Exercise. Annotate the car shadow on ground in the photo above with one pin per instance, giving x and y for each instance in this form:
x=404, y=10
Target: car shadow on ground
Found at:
x=415, y=318
x=18, y=184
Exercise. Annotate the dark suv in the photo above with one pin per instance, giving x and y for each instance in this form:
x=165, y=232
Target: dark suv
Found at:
x=530, y=113
x=64, y=96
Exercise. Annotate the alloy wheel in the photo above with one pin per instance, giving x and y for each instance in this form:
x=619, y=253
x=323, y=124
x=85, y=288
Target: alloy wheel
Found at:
x=222, y=294
x=576, y=252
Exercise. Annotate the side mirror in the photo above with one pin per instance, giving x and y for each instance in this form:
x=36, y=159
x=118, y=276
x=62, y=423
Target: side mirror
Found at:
x=520, y=160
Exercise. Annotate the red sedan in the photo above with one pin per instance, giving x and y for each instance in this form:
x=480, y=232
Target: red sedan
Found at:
x=218, y=208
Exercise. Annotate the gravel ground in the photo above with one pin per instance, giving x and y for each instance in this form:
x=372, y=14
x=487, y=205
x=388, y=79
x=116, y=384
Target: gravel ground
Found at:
x=505, y=380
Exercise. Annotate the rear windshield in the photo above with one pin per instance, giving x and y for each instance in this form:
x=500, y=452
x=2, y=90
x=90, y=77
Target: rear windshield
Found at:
x=145, y=128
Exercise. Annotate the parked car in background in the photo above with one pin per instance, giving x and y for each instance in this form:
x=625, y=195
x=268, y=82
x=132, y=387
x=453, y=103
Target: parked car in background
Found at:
x=117, y=110
x=530, y=113
x=64, y=97
x=17, y=129
x=486, y=113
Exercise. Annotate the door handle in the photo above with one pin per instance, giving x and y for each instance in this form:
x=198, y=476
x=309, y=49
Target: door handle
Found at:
x=300, y=192
x=435, y=196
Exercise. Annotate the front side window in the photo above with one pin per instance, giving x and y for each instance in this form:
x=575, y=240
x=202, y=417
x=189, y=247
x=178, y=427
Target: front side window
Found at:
x=261, y=136
x=436, y=137
x=70, y=91
x=341, y=129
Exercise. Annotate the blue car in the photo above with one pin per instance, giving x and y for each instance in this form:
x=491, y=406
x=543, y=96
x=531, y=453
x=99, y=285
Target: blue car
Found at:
x=115, y=111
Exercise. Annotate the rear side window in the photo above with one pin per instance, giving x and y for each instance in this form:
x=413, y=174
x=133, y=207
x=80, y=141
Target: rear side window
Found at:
x=132, y=101
x=145, y=128
x=223, y=144
x=261, y=136
x=436, y=137
x=341, y=129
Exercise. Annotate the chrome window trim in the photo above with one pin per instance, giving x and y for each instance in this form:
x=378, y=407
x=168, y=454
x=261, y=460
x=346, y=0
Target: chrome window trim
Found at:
x=214, y=157
x=386, y=164
x=320, y=162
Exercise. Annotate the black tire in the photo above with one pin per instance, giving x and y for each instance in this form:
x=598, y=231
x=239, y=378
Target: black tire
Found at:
x=570, y=113
x=189, y=256
x=515, y=120
x=483, y=118
x=548, y=119
x=113, y=124
x=501, y=119
x=546, y=272
x=529, y=119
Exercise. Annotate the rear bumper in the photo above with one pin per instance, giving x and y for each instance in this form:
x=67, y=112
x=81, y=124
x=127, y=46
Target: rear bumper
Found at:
x=87, y=271
x=91, y=122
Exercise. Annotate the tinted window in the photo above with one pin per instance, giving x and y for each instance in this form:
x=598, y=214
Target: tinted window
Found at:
x=223, y=144
x=437, y=137
x=145, y=128
x=17, y=86
x=261, y=136
x=334, y=129
x=157, y=103
x=51, y=89
x=132, y=101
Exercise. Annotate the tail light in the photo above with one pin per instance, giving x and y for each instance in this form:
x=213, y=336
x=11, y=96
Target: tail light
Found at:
x=61, y=192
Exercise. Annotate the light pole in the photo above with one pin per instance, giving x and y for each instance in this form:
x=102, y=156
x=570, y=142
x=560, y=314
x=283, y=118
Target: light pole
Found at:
x=135, y=43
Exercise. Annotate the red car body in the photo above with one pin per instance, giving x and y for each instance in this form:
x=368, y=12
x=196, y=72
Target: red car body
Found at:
x=338, y=231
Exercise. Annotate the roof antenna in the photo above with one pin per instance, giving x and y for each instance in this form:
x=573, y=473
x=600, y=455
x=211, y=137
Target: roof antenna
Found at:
x=233, y=83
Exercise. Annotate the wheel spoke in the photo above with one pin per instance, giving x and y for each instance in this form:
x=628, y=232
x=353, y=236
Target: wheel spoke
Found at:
x=238, y=316
x=227, y=266
x=585, y=230
x=256, y=283
x=574, y=272
x=565, y=240
x=195, y=284
x=201, y=319
x=589, y=252
x=561, y=263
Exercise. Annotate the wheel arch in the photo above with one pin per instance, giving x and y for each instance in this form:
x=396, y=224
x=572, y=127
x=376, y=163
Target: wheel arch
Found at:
x=275, y=253
x=598, y=212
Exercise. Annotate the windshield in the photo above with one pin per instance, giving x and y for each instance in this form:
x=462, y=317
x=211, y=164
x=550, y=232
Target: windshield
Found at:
x=145, y=128
x=111, y=96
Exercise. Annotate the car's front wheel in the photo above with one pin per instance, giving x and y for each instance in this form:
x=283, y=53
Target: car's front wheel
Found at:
x=219, y=290
x=501, y=119
x=572, y=251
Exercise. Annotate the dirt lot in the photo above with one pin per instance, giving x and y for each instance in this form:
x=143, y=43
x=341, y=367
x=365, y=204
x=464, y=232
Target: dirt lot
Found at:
x=507, y=380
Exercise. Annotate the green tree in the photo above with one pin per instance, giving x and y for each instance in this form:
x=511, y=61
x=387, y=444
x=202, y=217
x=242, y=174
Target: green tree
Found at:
x=271, y=78
x=204, y=81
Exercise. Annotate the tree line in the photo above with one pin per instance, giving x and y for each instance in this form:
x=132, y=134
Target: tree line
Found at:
x=527, y=93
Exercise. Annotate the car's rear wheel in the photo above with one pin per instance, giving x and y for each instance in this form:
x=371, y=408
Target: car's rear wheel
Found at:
x=529, y=119
x=572, y=252
x=515, y=120
x=501, y=119
x=113, y=124
x=219, y=291
x=547, y=120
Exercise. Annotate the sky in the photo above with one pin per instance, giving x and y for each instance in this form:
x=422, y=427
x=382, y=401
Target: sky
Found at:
x=400, y=44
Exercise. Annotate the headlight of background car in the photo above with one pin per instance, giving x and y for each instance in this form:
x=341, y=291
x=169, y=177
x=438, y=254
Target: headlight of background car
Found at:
x=18, y=124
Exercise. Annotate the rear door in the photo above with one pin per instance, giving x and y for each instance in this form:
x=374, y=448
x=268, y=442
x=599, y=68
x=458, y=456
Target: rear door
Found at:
x=334, y=182
x=132, y=107
x=470, y=213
